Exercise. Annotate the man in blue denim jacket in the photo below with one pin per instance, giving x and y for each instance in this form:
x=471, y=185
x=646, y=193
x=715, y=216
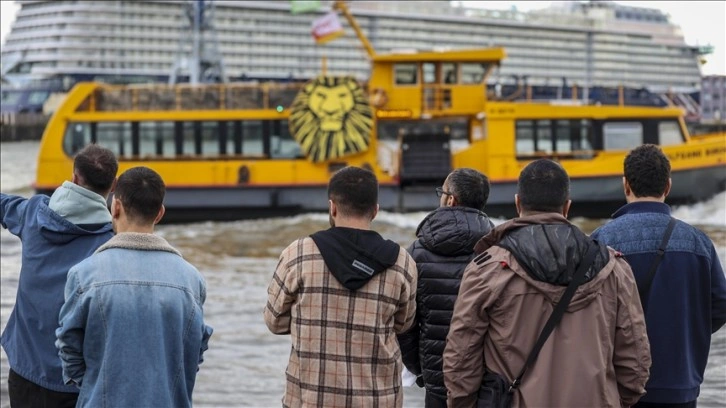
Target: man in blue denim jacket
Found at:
x=132, y=330
x=686, y=302
x=57, y=232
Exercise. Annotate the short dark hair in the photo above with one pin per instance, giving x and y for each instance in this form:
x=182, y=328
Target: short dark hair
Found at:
x=141, y=191
x=470, y=187
x=543, y=186
x=647, y=170
x=354, y=191
x=97, y=167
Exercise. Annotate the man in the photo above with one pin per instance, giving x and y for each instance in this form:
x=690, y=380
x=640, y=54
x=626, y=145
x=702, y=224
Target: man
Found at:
x=597, y=356
x=343, y=294
x=444, y=247
x=56, y=232
x=686, y=302
x=132, y=329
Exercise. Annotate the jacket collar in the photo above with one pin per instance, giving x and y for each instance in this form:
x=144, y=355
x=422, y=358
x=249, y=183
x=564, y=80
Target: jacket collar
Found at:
x=498, y=232
x=138, y=241
x=640, y=207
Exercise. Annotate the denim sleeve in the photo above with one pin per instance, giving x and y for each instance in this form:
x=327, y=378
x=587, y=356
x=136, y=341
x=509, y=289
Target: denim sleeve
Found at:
x=206, y=334
x=70, y=334
x=12, y=212
x=718, y=293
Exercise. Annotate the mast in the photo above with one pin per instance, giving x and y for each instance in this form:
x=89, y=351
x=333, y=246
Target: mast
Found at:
x=340, y=5
x=205, y=63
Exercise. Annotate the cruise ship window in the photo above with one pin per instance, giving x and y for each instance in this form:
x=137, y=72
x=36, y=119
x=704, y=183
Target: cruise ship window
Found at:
x=406, y=74
x=622, y=135
x=669, y=133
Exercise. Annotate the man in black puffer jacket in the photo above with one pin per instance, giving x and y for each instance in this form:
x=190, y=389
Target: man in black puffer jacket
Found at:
x=444, y=248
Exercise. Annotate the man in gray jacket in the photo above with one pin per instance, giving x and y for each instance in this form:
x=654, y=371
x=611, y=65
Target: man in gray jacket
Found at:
x=597, y=356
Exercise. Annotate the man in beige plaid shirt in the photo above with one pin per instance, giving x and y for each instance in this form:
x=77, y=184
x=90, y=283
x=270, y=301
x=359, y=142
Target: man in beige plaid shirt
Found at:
x=343, y=294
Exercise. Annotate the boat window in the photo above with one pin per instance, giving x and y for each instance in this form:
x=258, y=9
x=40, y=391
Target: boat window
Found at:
x=115, y=136
x=622, y=135
x=525, y=137
x=473, y=73
x=157, y=139
x=669, y=133
x=251, y=137
x=450, y=73
x=543, y=141
x=429, y=72
x=571, y=139
x=406, y=74
x=78, y=134
x=282, y=145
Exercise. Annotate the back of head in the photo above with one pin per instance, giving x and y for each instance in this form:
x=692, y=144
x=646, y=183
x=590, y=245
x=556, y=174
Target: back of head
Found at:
x=647, y=171
x=543, y=186
x=470, y=187
x=141, y=191
x=354, y=191
x=96, y=167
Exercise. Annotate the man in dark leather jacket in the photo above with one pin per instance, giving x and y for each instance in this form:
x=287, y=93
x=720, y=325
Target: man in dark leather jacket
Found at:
x=444, y=247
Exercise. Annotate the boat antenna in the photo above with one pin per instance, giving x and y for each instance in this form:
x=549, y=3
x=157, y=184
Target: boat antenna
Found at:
x=340, y=5
x=205, y=63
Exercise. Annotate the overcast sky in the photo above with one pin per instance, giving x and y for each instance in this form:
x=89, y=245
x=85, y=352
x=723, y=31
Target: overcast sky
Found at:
x=702, y=22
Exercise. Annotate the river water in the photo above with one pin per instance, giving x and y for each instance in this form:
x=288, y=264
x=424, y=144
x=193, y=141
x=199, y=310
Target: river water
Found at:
x=245, y=364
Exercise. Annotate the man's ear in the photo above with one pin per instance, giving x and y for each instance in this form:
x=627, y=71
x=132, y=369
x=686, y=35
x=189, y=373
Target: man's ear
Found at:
x=116, y=208
x=668, y=188
x=566, y=208
x=160, y=215
x=626, y=187
x=332, y=208
x=375, y=213
x=517, y=205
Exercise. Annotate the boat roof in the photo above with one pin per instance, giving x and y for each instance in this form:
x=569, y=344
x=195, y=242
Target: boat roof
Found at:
x=474, y=55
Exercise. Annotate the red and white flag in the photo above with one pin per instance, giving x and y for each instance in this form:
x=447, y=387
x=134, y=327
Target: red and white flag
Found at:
x=327, y=28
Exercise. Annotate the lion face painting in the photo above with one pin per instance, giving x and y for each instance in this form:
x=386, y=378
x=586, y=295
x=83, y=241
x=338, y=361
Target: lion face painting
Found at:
x=331, y=118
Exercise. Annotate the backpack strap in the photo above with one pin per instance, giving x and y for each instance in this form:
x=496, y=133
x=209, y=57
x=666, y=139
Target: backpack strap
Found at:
x=558, y=312
x=645, y=291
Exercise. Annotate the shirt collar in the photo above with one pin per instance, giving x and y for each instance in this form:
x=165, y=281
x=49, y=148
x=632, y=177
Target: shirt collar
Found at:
x=640, y=207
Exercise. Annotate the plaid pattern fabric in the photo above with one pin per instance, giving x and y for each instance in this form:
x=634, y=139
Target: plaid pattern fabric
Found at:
x=344, y=348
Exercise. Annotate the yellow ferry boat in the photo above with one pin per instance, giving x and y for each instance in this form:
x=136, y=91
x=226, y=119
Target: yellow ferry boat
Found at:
x=244, y=150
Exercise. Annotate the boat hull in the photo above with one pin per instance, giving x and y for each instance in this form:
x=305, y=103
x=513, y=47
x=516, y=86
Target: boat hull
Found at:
x=592, y=197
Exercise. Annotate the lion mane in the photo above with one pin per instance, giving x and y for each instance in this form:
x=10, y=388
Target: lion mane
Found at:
x=331, y=118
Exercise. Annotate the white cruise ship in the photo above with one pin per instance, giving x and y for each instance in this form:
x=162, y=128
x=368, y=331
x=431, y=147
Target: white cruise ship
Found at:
x=590, y=44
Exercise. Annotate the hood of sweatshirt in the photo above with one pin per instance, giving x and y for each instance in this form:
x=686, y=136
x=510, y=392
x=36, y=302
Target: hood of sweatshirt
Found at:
x=79, y=205
x=355, y=256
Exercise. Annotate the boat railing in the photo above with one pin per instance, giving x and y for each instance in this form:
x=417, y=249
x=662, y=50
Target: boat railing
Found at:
x=185, y=97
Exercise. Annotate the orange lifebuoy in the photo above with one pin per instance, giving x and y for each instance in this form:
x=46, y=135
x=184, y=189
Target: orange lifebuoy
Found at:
x=378, y=97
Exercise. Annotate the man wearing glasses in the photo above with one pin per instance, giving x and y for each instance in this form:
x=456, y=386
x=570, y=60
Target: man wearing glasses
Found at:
x=444, y=247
